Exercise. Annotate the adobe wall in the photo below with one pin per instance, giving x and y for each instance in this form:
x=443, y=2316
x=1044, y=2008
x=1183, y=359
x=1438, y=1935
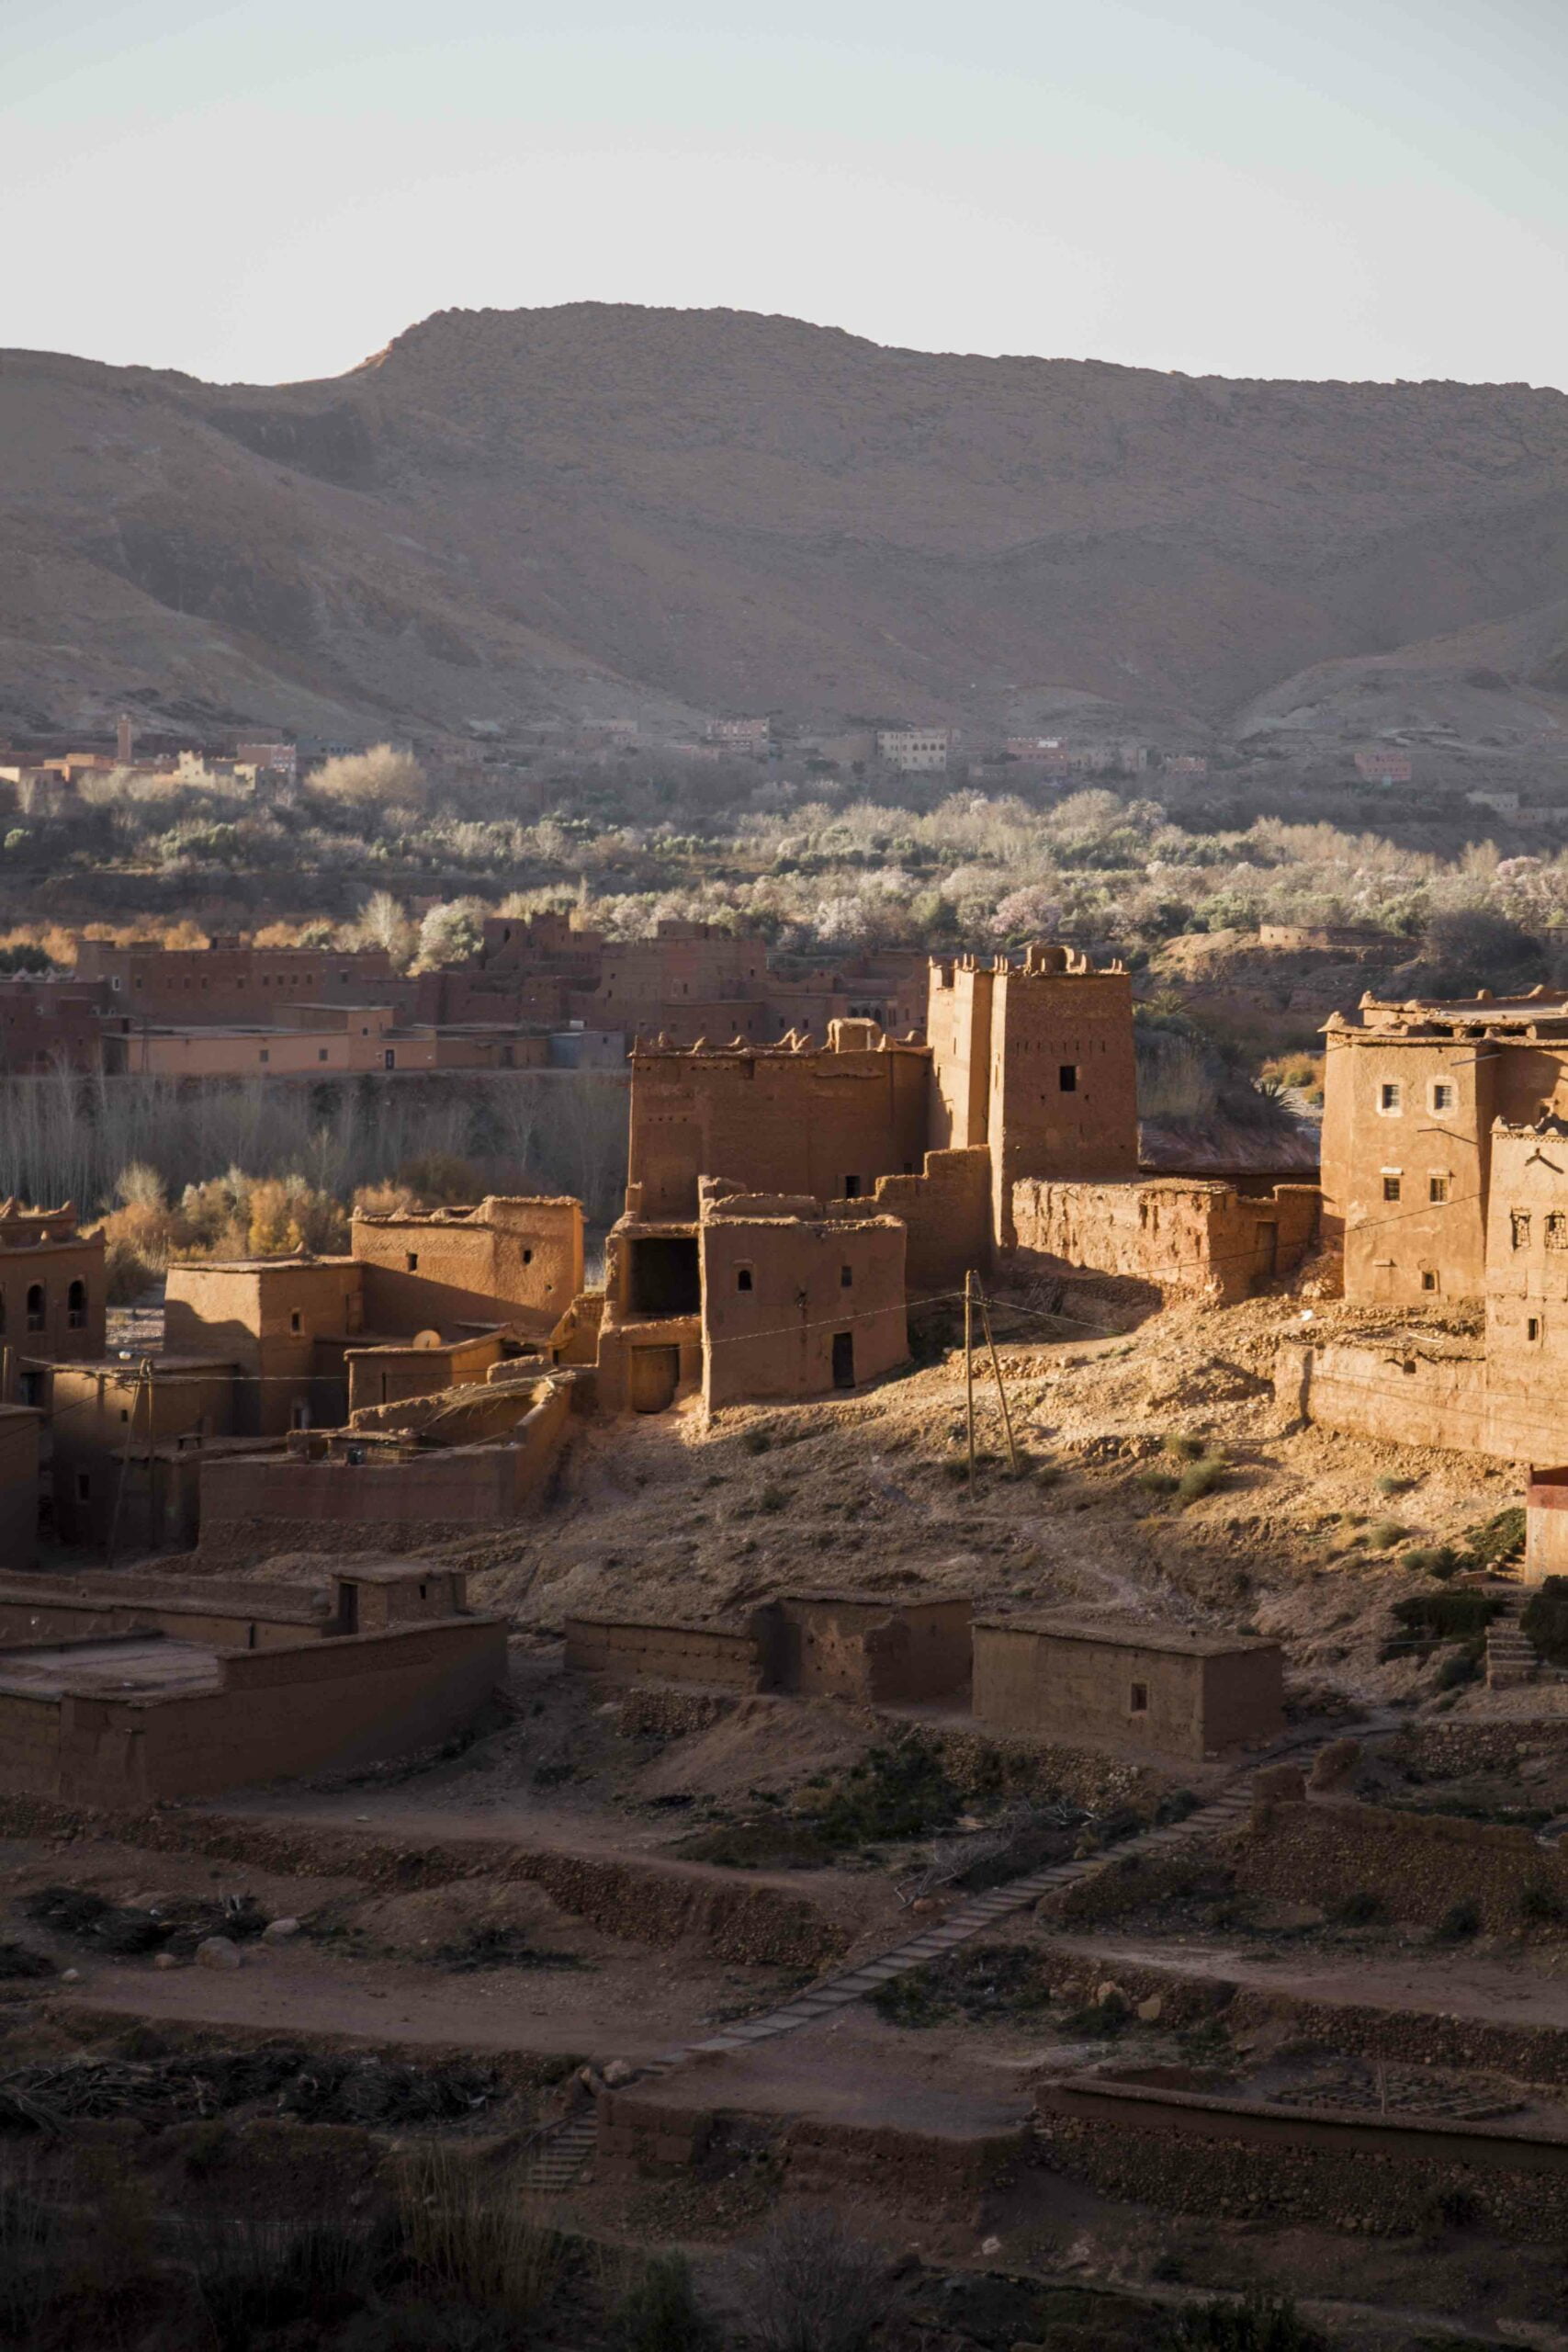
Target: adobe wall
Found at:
x=873, y=1652
x=28, y=1623
x=808, y=1283
x=1031, y=1679
x=463, y=1485
x=507, y=1260
x=1545, y=1526
x=320, y=1706
x=20, y=1433
x=1402, y=1399
x=1192, y=1238
x=946, y=1212
x=958, y=1024
x=820, y=1122
x=388, y=1375
x=95, y=1412
x=1196, y=2152
x=243, y=1312
x=1064, y=1093
x=623, y=1652
x=1418, y=1864
x=1526, y=1269
x=869, y=1651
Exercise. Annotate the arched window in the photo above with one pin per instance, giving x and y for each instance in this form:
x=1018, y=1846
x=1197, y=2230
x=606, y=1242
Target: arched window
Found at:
x=76, y=1306
x=35, y=1306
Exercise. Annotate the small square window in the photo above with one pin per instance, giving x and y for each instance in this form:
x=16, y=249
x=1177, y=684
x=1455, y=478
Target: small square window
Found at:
x=1437, y=1188
x=1391, y=1188
x=1139, y=1702
x=527, y=1257
x=321, y=1053
x=1067, y=1078
x=1532, y=1328
x=294, y=1321
x=1428, y=1278
x=265, y=1055
x=1442, y=1095
x=744, y=1278
x=1519, y=1227
x=846, y=1277
x=124, y=1412
x=1556, y=1229
x=1388, y=1095
x=414, y=1262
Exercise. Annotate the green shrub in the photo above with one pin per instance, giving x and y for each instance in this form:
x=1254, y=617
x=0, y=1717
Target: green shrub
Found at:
x=1545, y=1619
x=773, y=1497
x=1461, y=1666
x=1391, y=1484
x=1201, y=1478
x=1158, y=1482
x=1439, y=1560
x=1258, y=2322
x=1540, y=1906
x=1358, y=1909
x=660, y=2312
x=1449, y=1616
x=1183, y=1448
x=1384, y=1533
x=471, y=2239
x=1498, y=1540
x=756, y=1441
x=1462, y=1919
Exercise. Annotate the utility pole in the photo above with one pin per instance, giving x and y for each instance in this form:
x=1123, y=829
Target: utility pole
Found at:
x=1001, y=1392
x=969, y=1365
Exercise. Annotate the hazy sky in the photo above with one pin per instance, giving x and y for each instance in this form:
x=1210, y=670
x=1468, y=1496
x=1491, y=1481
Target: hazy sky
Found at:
x=1265, y=187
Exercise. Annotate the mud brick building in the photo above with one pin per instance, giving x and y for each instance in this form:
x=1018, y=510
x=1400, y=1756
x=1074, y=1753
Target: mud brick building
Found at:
x=51, y=1290
x=858, y=1646
x=797, y=1296
x=1427, y=1386
x=1412, y=1095
x=1181, y=1693
x=232, y=979
x=1035, y=1062
x=454, y=1265
x=126, y=1695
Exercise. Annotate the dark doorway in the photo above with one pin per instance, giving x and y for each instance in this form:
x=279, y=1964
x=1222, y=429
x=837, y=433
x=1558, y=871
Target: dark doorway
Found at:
x=843, y=1359
x=655, y=1376
x=665, y=1280
x=348, y=1608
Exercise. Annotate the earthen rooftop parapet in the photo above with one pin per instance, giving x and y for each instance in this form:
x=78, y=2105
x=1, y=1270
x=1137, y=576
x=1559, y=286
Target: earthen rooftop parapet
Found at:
x=1128, y=1632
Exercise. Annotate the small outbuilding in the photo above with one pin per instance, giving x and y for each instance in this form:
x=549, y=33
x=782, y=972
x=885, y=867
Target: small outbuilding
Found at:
x=1164, y=1686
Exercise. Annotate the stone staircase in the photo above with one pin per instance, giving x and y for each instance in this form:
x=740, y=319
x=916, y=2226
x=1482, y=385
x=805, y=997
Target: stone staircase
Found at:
x=562, y=2152
x=1510, y=1654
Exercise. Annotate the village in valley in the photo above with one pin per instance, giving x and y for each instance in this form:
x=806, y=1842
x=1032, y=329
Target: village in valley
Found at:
x=962, y=1665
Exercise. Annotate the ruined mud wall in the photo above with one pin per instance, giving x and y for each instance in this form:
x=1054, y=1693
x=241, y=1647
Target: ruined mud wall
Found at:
x=280, y=1712
x=1191, y=2153
x=251, y=1497
x=700, y=1654
x=1418, y=1865
x=1402, y=1399
x=1189, y=1238
x=946, y=1212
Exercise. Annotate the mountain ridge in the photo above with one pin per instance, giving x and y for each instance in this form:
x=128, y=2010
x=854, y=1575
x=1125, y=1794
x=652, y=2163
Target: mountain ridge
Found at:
x=507, y=515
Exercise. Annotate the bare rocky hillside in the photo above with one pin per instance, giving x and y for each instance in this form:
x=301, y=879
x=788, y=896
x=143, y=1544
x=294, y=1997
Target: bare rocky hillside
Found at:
x=603, y=508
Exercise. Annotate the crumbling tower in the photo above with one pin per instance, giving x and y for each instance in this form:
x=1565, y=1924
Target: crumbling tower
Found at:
x=1035, y=1060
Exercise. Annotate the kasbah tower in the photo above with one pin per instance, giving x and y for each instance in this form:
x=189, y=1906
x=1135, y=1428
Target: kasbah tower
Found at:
x=1036, y=1061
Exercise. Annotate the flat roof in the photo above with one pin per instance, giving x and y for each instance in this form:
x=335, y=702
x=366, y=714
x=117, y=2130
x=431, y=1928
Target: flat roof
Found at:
x=1126, y=1633
x=296, y=1265
x=128, y=1366
x=140, y=1665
